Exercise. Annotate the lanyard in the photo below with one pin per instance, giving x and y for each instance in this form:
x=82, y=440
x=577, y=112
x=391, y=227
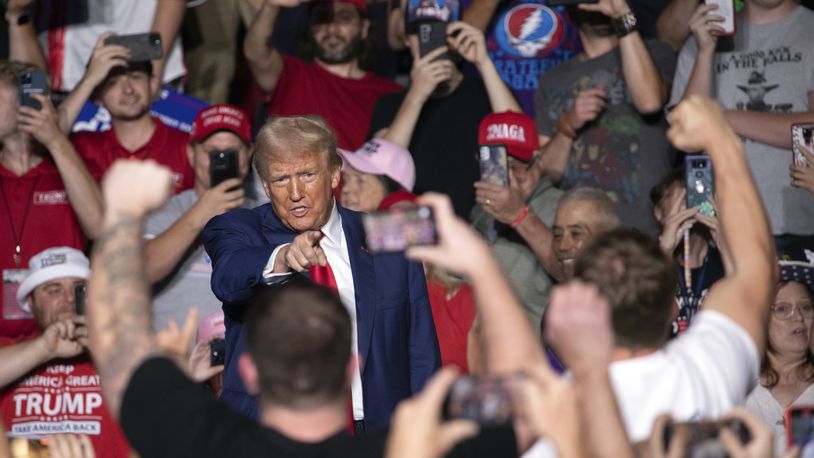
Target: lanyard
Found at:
x=698, y=287
x=18, y=237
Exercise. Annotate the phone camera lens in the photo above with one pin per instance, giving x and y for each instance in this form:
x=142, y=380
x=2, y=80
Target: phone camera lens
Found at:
x=699, y=174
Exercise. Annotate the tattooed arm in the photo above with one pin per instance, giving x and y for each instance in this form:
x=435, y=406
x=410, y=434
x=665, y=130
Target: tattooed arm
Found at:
x=118, y=302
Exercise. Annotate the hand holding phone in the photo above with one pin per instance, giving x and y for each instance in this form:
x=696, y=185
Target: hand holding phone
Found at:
x=802, y=135
x=726, y=9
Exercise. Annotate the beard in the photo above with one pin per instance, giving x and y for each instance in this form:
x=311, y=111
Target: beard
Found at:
x=350, y=51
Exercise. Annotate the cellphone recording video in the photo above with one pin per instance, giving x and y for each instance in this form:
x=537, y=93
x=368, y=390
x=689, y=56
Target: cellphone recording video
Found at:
x=80, y=291
x=222, y=166
x=494, y=166
x=700, y=183
x=802, y=134
x=397, y=229
x=485, y=399
x=142, y=46
x=24, y=447
x=800, y=428
x=33, y=82
x=703, y=437
x=726, y=9
x=431, y=36
x=217, y=352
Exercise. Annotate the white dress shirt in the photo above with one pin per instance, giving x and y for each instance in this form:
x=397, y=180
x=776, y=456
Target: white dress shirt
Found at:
x=335, y=246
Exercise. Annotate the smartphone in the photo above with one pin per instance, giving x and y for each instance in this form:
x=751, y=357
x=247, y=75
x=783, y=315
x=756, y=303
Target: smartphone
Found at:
x=431, y=36
x=700, y=183
x=24, y=447
x=726, y=8
x=802, y=134
x=485, y=399
x=217, y=352
x=703, y=437
x=33, y=82
x=494, y=166
x=553, y=3
x=397, y=229
x=80, y=291
x=142, y=46
x=222, y=166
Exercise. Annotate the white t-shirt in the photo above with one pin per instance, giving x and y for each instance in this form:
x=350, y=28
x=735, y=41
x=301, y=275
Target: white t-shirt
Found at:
x=702, y=374
x=69, y=48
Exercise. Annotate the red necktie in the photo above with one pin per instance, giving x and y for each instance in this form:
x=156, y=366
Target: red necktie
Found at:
x=324, y=275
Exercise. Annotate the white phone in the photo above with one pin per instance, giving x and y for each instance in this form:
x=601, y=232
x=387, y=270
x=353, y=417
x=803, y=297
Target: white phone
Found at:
x=726, y=8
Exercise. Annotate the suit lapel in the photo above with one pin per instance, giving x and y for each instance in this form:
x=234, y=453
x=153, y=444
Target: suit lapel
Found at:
x=364, y=280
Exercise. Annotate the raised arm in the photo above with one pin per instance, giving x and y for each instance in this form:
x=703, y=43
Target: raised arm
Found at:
x=167, y=19
x=23, y=45
x=118, y=301
x=672, y=26
x=747, y=289
x=703, y=24
x=470, y=43
x=265, y=62
x=479, y=13
x=82, y=190
x=102, y=60
x=643, y=80
x=510, y=342
x=164, y=251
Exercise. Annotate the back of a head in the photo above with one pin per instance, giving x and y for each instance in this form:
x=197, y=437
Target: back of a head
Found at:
x=294, y=135
x=299, y=336
x=638, y=280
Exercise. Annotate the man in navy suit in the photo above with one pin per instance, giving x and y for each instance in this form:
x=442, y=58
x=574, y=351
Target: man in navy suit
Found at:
x=303, y=231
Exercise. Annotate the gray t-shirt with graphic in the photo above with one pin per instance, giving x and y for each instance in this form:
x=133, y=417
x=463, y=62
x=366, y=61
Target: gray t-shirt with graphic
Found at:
x=766, y=68
x=622, y=152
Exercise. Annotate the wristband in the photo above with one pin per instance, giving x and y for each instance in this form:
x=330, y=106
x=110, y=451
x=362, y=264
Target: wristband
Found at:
x=521, y=215
x=565, y=127
x=624, y=24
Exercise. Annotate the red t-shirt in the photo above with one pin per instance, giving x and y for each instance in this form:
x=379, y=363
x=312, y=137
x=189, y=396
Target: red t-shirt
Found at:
x=167, y=146
x=346, y=104
x=453, y=318
x=62, y=396
x=50, y=222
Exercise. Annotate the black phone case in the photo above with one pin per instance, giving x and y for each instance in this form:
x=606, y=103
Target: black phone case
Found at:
x=142, y=46
x=431, y=36
x=33, y=82
x=222, y=166
x=80, y=291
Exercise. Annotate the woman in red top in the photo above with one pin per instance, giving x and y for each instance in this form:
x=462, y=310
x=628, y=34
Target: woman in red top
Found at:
x=381, y=175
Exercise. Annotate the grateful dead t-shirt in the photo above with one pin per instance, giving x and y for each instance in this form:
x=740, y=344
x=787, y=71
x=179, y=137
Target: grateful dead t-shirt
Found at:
x=621, y=152
x=766, y=68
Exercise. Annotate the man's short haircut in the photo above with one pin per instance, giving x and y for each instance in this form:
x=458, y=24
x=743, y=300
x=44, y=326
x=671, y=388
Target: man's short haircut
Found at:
x=135, y=66
x=294, y=135
x=658, y=192
x=638, y=280
x=299, y=336
x=605, y=209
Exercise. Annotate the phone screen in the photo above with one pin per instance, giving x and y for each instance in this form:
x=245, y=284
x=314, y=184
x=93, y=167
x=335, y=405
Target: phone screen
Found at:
x=700, y=183
x=802, y=134
x=800, y=428
x=493, y=164
x=485, y=399
x=397, y=229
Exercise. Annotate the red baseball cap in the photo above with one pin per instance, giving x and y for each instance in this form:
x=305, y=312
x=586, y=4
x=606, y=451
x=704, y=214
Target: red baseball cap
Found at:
x=221, y=117
x=515, y=130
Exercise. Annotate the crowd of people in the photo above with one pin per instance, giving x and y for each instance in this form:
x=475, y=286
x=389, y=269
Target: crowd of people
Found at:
x=207, y=289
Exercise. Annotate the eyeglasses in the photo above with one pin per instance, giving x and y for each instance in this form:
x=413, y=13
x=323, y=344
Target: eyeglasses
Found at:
x=784, y=311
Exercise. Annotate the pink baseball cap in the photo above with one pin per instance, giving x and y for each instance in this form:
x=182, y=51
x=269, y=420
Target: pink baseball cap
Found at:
x=381, y=157
x=221, y=117
x=211, y=326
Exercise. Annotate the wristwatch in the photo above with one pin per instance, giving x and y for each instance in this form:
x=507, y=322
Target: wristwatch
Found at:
x=624, y=24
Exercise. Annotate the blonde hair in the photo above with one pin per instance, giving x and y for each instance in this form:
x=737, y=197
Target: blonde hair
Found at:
x=294, y=134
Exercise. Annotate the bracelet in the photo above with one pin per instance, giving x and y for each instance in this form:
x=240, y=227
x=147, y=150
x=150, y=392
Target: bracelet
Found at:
x=521, y=215
x=624, y=24
x=565, y=127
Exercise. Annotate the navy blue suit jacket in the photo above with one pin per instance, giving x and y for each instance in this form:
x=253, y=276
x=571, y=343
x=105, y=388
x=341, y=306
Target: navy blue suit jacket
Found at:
x=398, y=347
